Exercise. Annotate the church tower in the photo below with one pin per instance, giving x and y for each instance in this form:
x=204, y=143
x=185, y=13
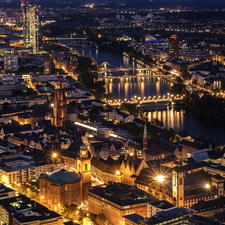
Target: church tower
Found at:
x=59, y=108
x=145, y=141
x=84, y=167
x=178, y=186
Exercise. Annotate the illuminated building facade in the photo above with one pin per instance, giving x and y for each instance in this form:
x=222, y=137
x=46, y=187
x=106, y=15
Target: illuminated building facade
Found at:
x=47, y=65
x=59, y=108
x=10, y=62
x=20, y=210
x=63, y=187
x=173, y=47
x=20, y=169
x=31, y=25
x=117, y=200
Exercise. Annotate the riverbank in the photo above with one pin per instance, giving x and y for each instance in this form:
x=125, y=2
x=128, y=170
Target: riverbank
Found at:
x=178, y=119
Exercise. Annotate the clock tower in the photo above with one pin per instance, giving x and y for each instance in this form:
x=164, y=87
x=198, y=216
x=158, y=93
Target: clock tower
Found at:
x=178, y=186
x=84, y=167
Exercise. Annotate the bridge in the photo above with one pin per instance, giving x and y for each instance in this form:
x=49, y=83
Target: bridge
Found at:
x=74, y=40
x=130, y=77
x=154, y=99
x=143, y=72
x=102, y=68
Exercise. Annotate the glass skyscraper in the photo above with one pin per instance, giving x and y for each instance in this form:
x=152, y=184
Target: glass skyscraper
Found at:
x=31, y=25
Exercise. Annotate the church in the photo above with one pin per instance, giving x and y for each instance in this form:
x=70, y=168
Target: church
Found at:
x=65, y=187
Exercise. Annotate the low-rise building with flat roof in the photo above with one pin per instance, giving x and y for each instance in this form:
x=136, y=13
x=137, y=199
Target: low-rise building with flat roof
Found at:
x=158, y=206
x=117, y=200
x=22, y=210
x=6, y=192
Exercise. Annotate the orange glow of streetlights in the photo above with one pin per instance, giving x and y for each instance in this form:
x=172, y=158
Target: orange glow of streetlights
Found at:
x=207, y=186
x=54, y=155
x=160, y=178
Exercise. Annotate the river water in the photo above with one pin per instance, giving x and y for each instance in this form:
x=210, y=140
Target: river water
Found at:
x=176, y=118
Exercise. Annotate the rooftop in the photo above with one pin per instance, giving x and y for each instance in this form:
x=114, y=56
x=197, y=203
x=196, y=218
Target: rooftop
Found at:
x=162, y=204
x=33, y=211
x=122, y=194
x=63, y=175
x=135, y=218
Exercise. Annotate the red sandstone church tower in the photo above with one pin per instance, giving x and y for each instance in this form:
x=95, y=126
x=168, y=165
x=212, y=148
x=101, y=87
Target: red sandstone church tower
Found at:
x=145, y=141
x=59, y=108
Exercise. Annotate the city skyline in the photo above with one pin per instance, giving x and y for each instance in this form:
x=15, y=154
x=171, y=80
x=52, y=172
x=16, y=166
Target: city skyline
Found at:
x=112, y=112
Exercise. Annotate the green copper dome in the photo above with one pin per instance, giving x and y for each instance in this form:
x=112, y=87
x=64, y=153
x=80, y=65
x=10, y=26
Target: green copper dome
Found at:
x=62, y=176
x=83, y=147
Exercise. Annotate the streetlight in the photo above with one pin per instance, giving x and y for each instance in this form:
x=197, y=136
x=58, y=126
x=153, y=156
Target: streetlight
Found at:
x=207, y=186
x=160, y=178
x=54, y=155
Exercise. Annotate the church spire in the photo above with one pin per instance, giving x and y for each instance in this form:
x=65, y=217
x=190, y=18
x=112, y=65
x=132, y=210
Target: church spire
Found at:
x=145, y=142
x=145, y=130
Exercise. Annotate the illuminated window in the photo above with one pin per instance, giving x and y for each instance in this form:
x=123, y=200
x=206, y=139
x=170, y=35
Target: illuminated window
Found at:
x=66, y=188
x=55, y=200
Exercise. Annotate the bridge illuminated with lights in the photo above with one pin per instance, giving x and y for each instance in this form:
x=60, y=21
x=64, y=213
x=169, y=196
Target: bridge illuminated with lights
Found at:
x=102, y=68
x=142, y=72
x=171, y=99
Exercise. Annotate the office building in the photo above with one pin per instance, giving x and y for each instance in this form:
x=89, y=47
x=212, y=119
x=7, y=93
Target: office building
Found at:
x=31, y=25
x=65, y=60
x=158, y=206
x=22, y=210
x=116, y=200
x=47, y=65
x=173, y=47
x=10, y=62
x=19, y=168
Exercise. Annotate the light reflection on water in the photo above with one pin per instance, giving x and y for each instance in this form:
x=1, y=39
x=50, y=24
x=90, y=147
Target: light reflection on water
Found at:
x=177, y=119
x=170, y=118
x=136, y=87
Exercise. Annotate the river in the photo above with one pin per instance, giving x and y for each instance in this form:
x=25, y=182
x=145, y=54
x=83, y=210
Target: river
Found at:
x=176, y=118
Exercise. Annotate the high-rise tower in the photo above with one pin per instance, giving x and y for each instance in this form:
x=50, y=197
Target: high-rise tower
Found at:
x=60, y=107
x=31, y=25
x=173, y=47
x=145, y=140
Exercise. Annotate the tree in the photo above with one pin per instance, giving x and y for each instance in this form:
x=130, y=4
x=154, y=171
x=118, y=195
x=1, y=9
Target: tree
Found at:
x=72, y=212
x=168, y=134
x=194, y=82
x=6, y=138
x=6, y=107
x=184, y=71
x=130, y=108
x=157, y=122
x=168, y=68
x=110, y=96
x=101, y=219
x=95, y=110
x=178, y=89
